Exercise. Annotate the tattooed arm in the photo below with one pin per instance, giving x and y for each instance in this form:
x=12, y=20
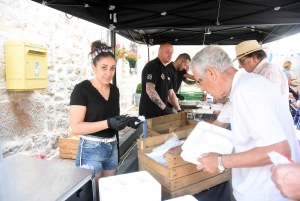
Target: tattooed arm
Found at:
x=153, y=95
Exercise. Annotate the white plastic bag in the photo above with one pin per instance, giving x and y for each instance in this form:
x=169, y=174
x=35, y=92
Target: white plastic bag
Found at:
x=158, y=152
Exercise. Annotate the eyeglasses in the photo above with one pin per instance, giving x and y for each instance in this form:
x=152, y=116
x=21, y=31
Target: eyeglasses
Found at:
x=199, y=81
x=241, y=61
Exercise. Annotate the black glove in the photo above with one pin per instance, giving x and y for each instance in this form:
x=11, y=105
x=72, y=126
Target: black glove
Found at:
x=181, y=109
x=131, y=122
x=167, y=110
x=118, y=122
x=181, y=97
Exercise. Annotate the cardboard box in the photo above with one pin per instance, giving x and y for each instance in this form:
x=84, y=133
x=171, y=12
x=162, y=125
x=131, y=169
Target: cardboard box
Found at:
x=179, y=178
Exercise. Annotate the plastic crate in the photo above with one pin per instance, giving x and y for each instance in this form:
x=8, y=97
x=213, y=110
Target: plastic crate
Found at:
x=192, y=95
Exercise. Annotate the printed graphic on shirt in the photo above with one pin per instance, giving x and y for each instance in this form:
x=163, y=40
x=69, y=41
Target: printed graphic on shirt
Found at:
x=149, y=76
x=162, y=76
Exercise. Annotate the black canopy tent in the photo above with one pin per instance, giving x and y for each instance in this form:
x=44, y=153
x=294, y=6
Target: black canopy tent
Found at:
x=188, y=22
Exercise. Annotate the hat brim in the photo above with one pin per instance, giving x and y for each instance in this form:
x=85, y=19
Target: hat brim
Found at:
x=247, y=53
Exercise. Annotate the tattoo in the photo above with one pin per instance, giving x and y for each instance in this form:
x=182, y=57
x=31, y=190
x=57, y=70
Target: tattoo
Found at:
x=153, y=95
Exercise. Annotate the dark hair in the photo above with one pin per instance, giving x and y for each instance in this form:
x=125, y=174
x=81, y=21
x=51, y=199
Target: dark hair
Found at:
x=100, y=50
x=260, y=54
x=184, y=57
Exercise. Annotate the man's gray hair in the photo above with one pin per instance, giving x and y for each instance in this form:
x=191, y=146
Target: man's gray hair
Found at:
x=212, y=56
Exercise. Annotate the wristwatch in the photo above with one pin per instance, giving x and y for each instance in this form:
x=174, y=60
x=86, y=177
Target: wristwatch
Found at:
x=220, y=165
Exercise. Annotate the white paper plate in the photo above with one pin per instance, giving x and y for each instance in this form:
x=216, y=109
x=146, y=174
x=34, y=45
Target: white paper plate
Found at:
x=206, y=138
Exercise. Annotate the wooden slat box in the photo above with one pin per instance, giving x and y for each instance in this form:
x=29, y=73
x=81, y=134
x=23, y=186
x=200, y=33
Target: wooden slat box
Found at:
x=68, y=147
x=169, y=123
x=161, y=125
x=179, y=177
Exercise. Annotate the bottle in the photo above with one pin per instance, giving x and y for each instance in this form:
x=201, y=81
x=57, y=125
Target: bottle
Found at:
x=209, y=98
x=204, y=96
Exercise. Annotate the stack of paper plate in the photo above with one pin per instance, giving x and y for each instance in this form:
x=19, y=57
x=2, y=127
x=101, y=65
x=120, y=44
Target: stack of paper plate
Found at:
x=206, y=138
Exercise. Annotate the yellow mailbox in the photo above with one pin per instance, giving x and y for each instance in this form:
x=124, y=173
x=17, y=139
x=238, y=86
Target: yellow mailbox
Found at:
x=26, y=66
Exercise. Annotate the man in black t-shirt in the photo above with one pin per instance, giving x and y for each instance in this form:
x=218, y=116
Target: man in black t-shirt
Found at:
x=178, y=73
x=183, y=75
x=156, y=86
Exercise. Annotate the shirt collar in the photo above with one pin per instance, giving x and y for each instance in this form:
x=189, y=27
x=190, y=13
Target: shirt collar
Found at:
x=172, y=66
x=260, y=66
x=159, y=62
x=235, y=81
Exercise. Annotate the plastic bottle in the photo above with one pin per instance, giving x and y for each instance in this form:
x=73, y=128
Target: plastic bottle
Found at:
x=209, y=98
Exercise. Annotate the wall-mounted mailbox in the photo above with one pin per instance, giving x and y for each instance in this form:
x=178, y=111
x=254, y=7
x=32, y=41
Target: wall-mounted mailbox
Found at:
x=26, y=66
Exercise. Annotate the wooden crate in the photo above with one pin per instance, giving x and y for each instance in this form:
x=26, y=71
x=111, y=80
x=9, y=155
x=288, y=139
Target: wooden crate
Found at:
x=179, y=177
x=68, y=147
x=169, y=123
x=161, y=125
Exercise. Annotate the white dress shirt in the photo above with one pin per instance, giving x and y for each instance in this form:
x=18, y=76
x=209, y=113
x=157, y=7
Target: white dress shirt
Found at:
x=259, y=117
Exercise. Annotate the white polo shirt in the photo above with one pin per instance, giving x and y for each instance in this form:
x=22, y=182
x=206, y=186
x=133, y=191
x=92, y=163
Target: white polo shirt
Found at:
x=259, y=117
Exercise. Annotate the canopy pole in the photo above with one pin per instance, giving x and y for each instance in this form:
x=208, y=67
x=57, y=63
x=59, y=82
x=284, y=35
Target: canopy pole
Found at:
x=113, y=45
x=148, y=53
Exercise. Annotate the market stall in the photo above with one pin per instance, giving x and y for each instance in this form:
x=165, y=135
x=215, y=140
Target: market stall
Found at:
x=187, y=23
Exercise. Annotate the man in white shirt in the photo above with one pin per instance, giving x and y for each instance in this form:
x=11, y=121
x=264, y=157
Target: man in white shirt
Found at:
x=252, y=58
x=257, y=128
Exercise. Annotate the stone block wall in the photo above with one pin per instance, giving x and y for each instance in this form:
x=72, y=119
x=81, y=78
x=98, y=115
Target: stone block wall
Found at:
x=36, y=119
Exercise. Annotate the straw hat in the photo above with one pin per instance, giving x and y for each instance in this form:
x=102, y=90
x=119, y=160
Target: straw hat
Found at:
x=245, y=48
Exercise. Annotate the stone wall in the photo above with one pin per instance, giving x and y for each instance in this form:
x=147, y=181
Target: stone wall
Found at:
x=36, y=119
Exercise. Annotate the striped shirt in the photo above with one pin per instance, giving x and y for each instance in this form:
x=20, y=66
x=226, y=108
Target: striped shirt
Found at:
x=274, y=74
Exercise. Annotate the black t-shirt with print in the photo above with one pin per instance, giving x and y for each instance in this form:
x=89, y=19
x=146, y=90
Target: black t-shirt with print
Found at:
x=97, y=108
x=156, y=73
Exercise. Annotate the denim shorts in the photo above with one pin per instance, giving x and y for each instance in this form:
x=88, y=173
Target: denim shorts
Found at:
x=97, y=156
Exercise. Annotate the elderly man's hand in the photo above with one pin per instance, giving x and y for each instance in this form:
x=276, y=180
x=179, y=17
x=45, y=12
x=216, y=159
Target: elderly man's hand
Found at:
x=174, y=150
x=209, y=162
